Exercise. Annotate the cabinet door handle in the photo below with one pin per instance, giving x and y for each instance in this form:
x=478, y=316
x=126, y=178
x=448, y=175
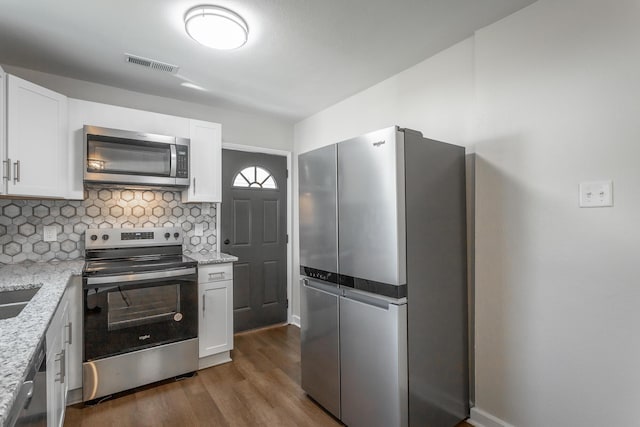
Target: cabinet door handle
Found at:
x=16, y=171
x=63, y=367
x=7, y=169
x=61, y=357
x=218, y=274
x=194, y=185
x=70, y=336
x=203, y=303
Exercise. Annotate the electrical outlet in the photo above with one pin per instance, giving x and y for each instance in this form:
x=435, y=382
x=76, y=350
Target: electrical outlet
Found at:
x=50, y=233
x=199, y=230
x=206, y=209
x=596, y=194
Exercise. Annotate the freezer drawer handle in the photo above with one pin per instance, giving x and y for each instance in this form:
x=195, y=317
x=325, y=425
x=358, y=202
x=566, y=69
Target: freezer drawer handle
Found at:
x=364, y=299
x=328, y=289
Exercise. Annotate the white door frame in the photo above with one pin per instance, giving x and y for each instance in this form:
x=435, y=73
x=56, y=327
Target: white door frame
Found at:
x=287, y=154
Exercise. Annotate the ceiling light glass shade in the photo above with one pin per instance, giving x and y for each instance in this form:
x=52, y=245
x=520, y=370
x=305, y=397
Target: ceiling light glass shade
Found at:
x=216, y=27
x=192, y=86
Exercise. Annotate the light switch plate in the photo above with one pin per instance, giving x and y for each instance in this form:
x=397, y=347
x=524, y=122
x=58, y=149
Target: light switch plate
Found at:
x=596, y=194
x=199, y=230
x=50, y=233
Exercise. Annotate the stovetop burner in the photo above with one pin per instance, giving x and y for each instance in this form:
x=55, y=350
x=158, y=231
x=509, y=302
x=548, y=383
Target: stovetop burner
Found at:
x=134, y=250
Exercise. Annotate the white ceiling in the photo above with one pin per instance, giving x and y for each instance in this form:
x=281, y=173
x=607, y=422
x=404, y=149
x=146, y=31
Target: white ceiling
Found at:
x=302, y=55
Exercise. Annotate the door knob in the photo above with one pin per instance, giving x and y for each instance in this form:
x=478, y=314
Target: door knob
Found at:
x=227, y=241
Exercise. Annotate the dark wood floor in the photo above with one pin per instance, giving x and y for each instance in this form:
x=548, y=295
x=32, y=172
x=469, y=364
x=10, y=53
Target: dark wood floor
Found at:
x=261, y=387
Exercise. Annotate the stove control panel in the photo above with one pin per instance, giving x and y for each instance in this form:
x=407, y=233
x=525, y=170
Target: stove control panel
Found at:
x=130, y=237
x=144, y=235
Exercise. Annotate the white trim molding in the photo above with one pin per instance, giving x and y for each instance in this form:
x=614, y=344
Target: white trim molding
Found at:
x=214, y=359
x=287, y=154
x=480, y=418
x=295, y=320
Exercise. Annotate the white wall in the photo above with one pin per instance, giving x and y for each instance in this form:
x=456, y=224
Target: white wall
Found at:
x=548, y=97
x=434, y=97
x=557, y=292
x=238, y=127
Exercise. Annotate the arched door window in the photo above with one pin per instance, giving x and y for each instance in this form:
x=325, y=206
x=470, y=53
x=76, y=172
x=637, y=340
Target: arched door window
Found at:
x=255, y=177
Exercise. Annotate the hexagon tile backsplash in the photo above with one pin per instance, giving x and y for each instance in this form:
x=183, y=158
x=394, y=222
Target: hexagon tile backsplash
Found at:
x=22, y=221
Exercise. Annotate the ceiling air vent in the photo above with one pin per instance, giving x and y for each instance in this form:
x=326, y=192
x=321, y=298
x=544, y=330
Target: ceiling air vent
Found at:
x=150, y=63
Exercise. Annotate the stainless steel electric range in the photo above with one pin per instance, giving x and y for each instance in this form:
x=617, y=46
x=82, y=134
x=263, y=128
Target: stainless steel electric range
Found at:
x=140, y=301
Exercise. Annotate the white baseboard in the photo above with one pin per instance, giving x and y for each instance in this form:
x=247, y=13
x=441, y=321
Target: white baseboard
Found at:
x=216, y=359
x=295, y=320
x=480, y=418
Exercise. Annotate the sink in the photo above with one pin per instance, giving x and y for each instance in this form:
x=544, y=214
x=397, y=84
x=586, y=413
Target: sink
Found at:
x=17, y=296
x=12, y=302
x=11, y=310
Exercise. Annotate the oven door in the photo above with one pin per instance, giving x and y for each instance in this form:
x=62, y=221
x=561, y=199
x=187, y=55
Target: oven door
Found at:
x=136, y=311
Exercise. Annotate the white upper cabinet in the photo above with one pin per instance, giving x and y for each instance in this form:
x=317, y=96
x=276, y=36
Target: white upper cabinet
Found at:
x=111, y=116
x=41, y=142
x=205, y=163
x=36, y=140
x=4, y=166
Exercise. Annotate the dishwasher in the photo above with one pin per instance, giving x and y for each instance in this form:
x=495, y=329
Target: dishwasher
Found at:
x=30, y=407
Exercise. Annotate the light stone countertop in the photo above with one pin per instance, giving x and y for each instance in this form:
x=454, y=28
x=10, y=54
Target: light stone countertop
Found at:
x=211, y=257
x=20, y=335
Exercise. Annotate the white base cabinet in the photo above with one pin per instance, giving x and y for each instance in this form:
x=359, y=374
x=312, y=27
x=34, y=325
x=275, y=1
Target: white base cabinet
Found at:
x=57, y=365
x=63, y=344
x=215, y=306
x=73, y=295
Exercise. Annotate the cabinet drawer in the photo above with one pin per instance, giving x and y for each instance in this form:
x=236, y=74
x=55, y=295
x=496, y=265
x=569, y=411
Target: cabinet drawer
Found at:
x=215, y=273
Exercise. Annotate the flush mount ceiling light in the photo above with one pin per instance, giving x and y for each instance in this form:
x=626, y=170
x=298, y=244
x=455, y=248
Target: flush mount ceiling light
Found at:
x=216, y=27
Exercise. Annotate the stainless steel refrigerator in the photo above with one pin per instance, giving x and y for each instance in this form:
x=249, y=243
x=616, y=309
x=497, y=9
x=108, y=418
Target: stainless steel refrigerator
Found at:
x=384, y=293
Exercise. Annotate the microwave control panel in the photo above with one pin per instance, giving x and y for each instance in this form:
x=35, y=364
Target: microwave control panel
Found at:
x=182, y=160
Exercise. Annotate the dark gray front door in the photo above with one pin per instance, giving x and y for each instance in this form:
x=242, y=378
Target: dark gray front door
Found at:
x=254, y=227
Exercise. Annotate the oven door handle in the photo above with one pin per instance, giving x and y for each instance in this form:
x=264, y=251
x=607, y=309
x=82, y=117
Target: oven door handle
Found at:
x=140, y=276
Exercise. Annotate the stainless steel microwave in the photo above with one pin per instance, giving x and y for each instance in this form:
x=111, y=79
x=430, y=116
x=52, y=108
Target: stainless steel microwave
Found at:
x=120, y=157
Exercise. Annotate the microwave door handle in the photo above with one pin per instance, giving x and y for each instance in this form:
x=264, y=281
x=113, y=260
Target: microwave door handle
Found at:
x=174, y=161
